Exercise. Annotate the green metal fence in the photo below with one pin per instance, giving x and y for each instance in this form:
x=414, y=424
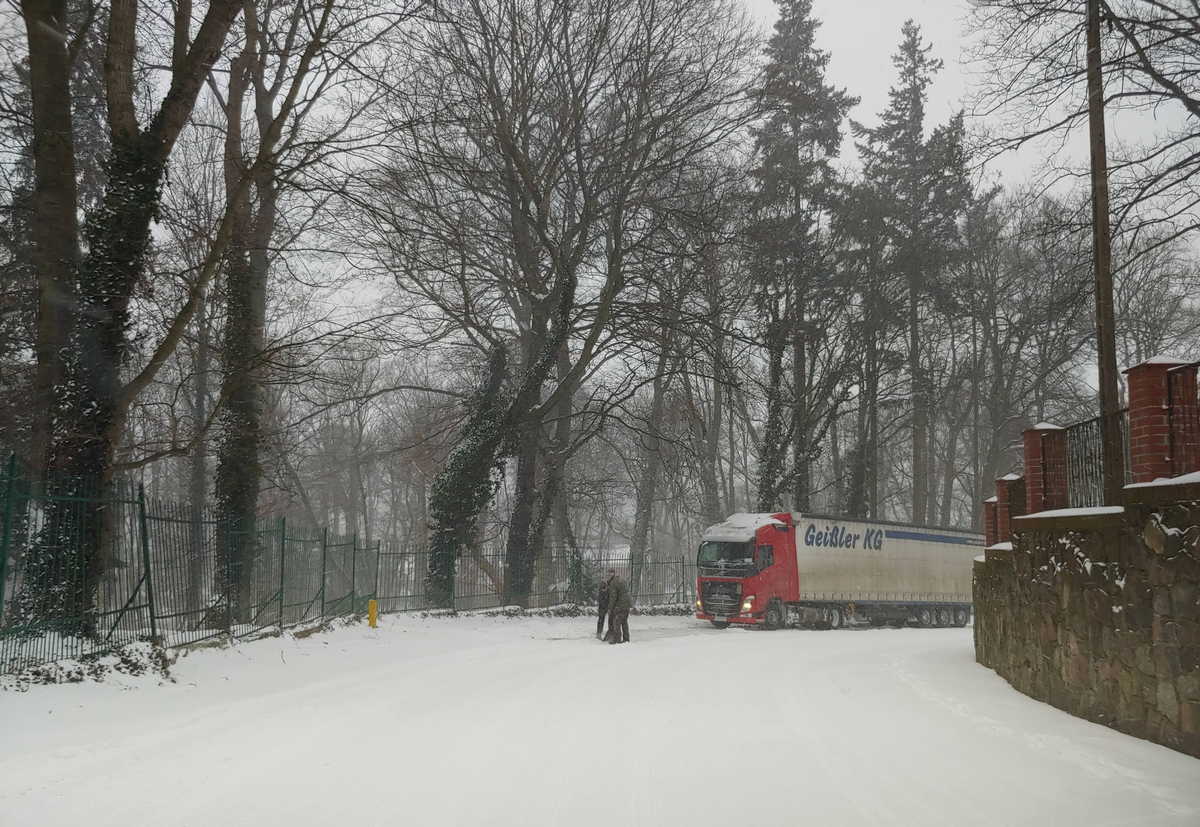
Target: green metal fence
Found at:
x=86, y=569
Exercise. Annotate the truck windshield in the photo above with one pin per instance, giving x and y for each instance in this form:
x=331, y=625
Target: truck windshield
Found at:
x=721, y=554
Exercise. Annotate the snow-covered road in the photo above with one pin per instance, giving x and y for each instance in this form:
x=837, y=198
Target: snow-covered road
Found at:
x=493, y=721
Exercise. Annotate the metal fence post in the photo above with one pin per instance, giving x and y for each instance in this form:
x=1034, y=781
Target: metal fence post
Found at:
x=144, y=523
x=324, y=552
x=6, y=537
x=354, y=573
x=375, y=587
x=282, y=557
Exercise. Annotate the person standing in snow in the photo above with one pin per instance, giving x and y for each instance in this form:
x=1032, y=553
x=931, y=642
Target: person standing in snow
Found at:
x=601, y=609
x=619, y=605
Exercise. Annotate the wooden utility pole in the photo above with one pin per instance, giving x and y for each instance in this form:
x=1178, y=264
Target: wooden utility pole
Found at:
x=1106, y=345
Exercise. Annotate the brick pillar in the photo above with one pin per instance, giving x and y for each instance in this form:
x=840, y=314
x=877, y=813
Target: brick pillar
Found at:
x=1149, y=433
x=1045, y=468
x=1185, y=420
x=1010, y=502
x=989, y=522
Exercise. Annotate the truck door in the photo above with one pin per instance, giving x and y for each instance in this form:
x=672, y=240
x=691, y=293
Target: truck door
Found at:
x=764, y=561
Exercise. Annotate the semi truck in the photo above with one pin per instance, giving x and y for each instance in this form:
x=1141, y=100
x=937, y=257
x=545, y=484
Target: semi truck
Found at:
x=783, y=569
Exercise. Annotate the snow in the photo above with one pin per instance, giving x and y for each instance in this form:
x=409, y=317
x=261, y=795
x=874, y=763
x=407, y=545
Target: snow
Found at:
x=530, y=721
x=739, y=528
x=1011, y=477
x=1185, y=479
x=981, y=559
x=992, y=499
x=1006, y=546
x=1047, y=426
x=1161, y=359
x=1091, y=511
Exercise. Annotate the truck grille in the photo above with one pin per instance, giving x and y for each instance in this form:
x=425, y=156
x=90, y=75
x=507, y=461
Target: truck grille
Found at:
x=720, y=598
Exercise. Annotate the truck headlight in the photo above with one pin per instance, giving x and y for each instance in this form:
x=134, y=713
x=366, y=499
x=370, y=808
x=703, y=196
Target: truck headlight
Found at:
x=747, y=603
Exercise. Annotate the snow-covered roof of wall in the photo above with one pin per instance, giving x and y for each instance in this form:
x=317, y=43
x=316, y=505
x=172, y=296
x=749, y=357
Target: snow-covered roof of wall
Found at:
x=1186, y=479
x=1093, y=511
x=739, y=528
x=1011, y=477
x=992, y=500
x=1160, y=359
x=1047, y=426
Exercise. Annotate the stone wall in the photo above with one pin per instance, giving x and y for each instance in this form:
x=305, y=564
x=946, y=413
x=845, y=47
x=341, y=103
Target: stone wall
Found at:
x=1100, y=616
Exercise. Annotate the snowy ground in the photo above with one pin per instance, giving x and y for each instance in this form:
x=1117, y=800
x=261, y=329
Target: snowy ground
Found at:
x=493, y=721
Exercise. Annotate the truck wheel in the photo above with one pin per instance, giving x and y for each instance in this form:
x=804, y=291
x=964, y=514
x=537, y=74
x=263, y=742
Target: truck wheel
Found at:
x=961, y=616
x=925, y=617
x=833, y=616
x=724, y=624
x=774, y=618
x=944, y=617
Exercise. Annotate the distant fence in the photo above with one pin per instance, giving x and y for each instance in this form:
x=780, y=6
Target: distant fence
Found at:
x=85, y=571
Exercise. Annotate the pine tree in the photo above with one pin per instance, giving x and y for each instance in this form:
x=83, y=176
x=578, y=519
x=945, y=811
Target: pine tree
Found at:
x=921, y=186
x=799, y=133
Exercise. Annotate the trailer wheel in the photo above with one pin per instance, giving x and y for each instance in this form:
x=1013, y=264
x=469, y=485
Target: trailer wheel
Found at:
x=774, y=618
x=724, y=624
x=944, y=617
x=961, y=616
x=833, y=616
x=925, y=617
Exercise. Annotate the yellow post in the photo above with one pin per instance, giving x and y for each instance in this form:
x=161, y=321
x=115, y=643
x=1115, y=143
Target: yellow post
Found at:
x=372, y=612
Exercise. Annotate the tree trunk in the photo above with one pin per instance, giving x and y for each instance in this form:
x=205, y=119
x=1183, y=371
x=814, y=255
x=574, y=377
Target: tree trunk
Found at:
x=518, y=558
x=870, y=457
x=643, y=508
x=711, y=456
x=554, y=478
x=730, y=416
x=198, y=464
x=239, y=467
x=773, y=441
x=931, y=491
x=464, y=486
x=949, y=472
x=838, y=468
x=920, y=409
x=801, y=436
x=54, y=227
x=711, y=491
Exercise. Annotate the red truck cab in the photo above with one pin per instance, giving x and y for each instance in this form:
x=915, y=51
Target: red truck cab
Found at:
x=746, y=570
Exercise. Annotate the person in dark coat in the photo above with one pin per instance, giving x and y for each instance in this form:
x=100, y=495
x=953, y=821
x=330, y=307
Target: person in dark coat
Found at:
x=602, y=609
x=619, y=605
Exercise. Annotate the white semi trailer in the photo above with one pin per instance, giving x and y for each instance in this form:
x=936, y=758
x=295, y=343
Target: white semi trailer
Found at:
x=774, y=570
